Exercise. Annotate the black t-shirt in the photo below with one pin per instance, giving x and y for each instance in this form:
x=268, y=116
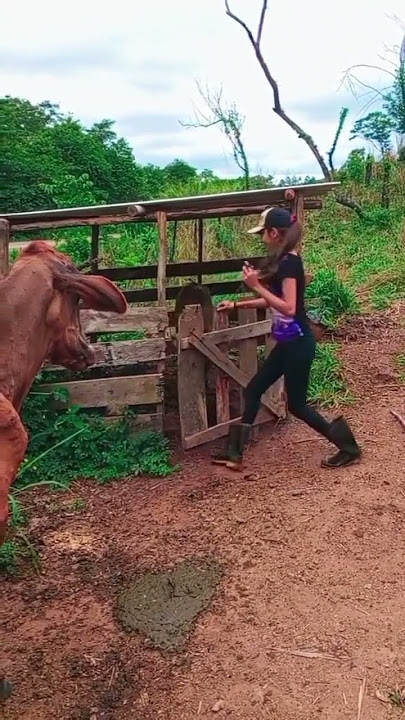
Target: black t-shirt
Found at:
x=291, y=267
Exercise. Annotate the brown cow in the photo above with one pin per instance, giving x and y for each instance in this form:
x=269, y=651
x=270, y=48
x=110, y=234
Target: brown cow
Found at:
x=39, y=320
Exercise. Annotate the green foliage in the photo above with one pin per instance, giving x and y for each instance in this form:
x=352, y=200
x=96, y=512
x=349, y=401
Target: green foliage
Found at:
x=67, y=445
x=327, y=384
x=329, y=297
x=376, y=128
x=394, y=101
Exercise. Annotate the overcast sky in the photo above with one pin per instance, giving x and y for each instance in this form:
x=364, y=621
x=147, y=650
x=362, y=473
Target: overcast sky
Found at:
x=138, y=62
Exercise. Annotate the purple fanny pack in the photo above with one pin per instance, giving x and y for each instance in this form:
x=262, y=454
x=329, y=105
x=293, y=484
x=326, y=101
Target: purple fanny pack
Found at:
x=286, y=330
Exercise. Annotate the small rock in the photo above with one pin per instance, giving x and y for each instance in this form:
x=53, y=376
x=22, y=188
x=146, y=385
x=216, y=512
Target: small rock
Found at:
x=219, y=705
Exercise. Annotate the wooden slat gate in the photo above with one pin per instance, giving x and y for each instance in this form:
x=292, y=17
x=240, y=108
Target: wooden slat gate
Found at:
x=195, y=348
x=127, y=373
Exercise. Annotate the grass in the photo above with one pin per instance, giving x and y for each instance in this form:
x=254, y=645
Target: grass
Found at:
x=327, y=383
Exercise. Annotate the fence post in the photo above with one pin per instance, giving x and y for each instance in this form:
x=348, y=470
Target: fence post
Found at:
x=191, y=367
x=221, y=321
x=161, y=218
x=4, y=246
x=95, y=248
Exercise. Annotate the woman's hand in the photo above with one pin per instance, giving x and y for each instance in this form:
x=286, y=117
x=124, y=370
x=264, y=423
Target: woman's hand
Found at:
x=251, y=277
x=226, y=306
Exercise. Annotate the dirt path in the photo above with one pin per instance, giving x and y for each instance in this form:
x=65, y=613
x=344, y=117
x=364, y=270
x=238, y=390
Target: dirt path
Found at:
x=314, y=562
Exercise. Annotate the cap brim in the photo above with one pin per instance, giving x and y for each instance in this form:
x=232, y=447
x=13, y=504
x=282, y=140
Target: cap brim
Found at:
x=256, y=230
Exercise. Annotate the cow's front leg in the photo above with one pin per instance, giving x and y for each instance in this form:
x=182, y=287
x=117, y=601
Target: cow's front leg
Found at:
x=13, y=446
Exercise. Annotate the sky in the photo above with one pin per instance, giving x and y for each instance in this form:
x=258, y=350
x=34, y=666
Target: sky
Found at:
x=138, y=63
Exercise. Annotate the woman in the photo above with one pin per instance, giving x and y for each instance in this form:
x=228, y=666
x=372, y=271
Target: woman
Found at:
x=280, y=285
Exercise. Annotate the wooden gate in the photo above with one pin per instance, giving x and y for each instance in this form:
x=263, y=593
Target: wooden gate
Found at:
x=197, y=349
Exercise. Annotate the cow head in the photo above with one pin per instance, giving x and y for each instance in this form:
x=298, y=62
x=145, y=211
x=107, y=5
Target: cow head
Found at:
x=72, y=291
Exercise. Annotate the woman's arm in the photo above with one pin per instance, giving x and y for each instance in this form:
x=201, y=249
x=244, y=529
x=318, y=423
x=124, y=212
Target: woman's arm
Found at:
x=287, y=305
x=253, y=303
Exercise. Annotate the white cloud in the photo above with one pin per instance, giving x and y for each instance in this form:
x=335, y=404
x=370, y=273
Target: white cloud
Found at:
x=140, y=60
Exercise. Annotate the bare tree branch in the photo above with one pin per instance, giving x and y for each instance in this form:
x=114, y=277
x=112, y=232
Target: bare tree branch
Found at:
x=230, y=121
x=328, y=175
x=274, y=86
x=261, y=23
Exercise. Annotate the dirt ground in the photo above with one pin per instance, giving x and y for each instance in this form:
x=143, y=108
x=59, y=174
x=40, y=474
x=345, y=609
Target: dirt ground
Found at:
x=310, y=605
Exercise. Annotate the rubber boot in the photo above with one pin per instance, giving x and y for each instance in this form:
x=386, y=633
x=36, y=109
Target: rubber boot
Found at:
x=6, y=690
x=239, y=436
x=341, y=435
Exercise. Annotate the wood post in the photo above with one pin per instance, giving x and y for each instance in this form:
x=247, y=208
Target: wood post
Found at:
x=200, y=245
x=4, y=246
x=161, y=218
x=191, y=368
x=221, y=322
x=95, y=248
x=298, y=211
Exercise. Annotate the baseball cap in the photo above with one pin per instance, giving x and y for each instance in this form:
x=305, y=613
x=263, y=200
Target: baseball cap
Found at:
x=275, y=217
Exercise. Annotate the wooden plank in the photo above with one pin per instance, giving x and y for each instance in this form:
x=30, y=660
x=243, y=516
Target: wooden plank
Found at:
x=161, y=269
x=4, y=246
x=222, y=361
x=95, y=248
x=248, y=347
x=200, y=222
x=179, y=269
x=112, y=392
x=234, y=335
x=126, y=352
x=151, y=319
x=298, y=210
x=218, y=431
x=191, y=366
x=221, y=320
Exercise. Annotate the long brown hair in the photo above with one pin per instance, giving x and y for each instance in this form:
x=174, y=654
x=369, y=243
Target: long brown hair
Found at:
x=289, y=238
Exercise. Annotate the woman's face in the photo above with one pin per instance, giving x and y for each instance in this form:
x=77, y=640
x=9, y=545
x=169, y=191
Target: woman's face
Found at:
x=271, y=237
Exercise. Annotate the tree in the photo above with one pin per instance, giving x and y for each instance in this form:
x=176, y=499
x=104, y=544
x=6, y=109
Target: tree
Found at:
x=255, y=41
x=231, y=122
x=376, y=128
x=179, y=172
x=342, y=119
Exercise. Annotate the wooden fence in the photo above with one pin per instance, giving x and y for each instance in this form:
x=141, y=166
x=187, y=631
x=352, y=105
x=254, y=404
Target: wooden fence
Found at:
x=197, y=350
x=126, y=373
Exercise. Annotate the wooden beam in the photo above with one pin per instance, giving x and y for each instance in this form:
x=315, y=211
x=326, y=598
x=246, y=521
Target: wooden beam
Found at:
x=180, y=269
x=221, y=320
x=222, y=361
x=234, y=335
x=125, y=352
x=95, y=248
x=248, y=348
x=220, y=430
x=191, y=367
x=200, y=222
x=4, y=246
x=18, y=225
x=161, y=268
x=150, y=294
x=112, y=392
x=153, y=320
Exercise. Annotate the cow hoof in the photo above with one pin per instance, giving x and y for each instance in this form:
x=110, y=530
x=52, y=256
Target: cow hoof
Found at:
x=6, y=689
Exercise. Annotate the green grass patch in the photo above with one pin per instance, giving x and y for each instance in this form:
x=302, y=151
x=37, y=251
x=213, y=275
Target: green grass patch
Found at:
x=327, y=383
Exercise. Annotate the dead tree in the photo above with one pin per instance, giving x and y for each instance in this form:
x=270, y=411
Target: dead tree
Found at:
x=231, y=122
x=255, y=41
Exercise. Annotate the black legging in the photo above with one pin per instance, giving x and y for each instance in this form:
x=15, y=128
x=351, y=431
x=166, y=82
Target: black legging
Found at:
x=293, y=360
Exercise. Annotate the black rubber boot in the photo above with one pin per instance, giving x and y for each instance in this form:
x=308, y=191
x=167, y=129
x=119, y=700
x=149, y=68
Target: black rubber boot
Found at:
x=239, y=436
x=6, y=690
x=341, y=435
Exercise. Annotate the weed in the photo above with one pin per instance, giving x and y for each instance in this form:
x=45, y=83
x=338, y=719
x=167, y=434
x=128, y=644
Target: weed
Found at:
x=69, y=444
x=329, y=297
x=397, y=698
x=327, y=384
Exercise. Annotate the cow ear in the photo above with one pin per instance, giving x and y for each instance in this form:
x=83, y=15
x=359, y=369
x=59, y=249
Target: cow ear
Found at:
x=96, y=292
